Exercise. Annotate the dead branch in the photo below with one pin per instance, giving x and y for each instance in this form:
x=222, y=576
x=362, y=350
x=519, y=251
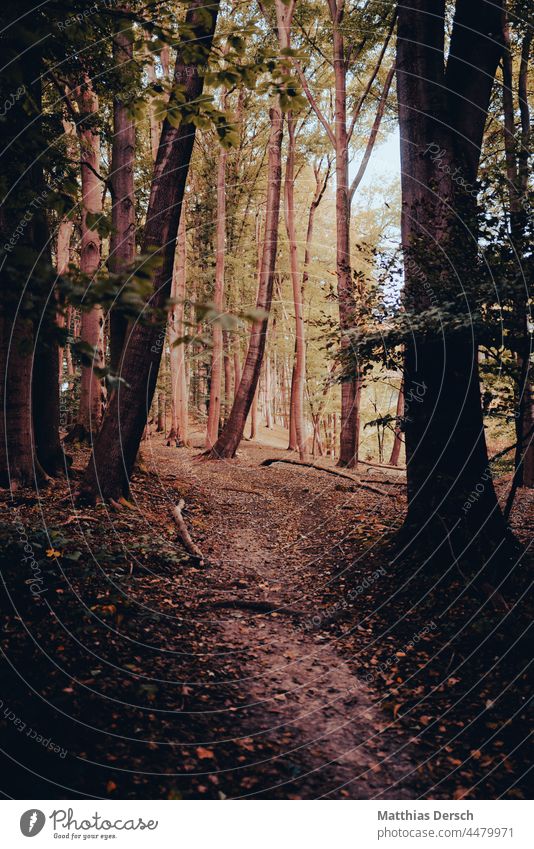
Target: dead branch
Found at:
x=189, y=545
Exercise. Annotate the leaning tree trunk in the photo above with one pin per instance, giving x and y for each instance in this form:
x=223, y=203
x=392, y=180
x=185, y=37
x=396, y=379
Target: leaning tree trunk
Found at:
x=122, y=241
x=115, y=450
x=452, y=507
x=91, y=393
x=232, y=433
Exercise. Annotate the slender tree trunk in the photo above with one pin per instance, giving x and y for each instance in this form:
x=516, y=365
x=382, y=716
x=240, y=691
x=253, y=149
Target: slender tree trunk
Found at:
x=268, y=394
x=237, y=370
x=179, y=392
x=299, y=373
x=214, y=410
x=348, y=440
x=122, y=241
x=397, y=433
x=91, y=393
x=16, y=454
x=160, y=426
x=227, y=376
x=64, y=235
x=516, y=158
x=115, y=450
x=232, y=433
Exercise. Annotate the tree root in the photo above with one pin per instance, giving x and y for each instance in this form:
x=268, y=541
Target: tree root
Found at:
x=257, y=606
x=329, y=472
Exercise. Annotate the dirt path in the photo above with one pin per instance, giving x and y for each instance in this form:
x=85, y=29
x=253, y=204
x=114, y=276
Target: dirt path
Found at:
x=267, y=530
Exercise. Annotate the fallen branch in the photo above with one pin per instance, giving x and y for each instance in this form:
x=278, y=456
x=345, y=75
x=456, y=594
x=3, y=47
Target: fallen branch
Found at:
x=189, y=545
x=329, y=472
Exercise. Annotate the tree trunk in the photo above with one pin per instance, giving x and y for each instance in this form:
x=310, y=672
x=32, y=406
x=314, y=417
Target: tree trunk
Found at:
x=122, y=241
x=16, y=455
x=91, y=393
x=115, y=450
x=348, y=440
x=442, y=117
x=517, y=181
x=299, y=371
x=227, y=376
x=64, y=235
x=179, y=393
x=214, y=410
x=397, y=433
x=232, y=433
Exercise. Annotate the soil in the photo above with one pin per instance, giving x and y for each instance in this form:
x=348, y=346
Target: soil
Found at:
x=275, y=669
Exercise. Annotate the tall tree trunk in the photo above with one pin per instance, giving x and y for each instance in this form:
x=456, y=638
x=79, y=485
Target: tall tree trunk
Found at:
x=115, y=450
x=122, y=241
x=268, y=395
x=299, y=373
x=91, y=393
x=214, y=410
x=442, y=114
x=179, y=394
x=29, y=432
x=254, y=416
x=16, y=454
x=348, y=441
x=227, y=376
x=232, y=433
x=517, y=184
x=64, y=235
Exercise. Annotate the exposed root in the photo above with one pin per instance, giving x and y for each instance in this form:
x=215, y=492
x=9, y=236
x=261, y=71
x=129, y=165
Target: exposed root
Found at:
x=329, y=472
x=257, y=606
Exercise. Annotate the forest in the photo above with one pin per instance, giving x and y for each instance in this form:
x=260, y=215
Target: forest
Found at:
x=267, y=399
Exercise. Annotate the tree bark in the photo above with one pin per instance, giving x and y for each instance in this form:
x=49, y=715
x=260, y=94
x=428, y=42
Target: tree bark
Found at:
x=348, y=456
x=397, y=432
x=122, y=241
x=179, y=393
x=232, y=433
x=299, y=372
x=115, y=450
x=442, y=114
x=214, y=410
x=517, y=185
x=91, y=392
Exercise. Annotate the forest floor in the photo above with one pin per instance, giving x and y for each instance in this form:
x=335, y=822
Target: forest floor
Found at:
x=299, y=661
